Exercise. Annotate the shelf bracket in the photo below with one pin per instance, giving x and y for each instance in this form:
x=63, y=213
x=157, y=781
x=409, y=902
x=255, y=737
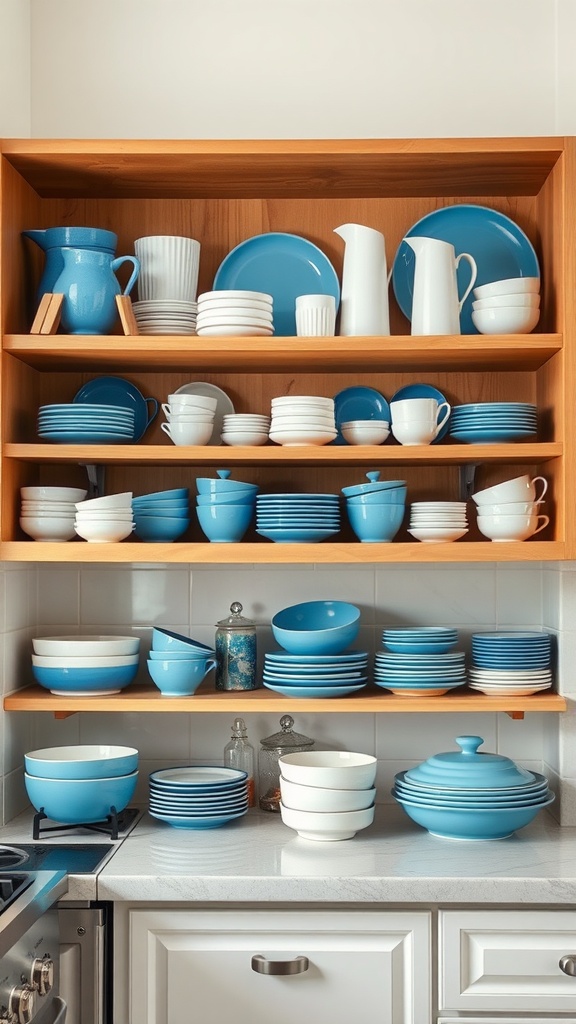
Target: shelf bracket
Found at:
x=95, y=479
x=517, y=716
x=467, y=475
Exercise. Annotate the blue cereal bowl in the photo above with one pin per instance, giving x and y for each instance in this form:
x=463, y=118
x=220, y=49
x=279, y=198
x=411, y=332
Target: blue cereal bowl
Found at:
x=316, y=627
x=167, y=640
x=375, y=523
x=78, y=801
x=85, y=681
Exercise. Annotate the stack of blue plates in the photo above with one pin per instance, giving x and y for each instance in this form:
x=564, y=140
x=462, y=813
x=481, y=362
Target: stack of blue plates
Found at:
x=198, y=797
x=420, y=640
x=494, y=422
x=511, y=663
x=86, y=424
x=315, y=675
x=297, y=518
x=419, y=662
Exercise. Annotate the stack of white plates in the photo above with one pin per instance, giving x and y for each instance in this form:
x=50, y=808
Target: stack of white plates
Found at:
x=315, y=675
x=297, y=518
x=303, y=420
x=237, y=312
x=198, y=797
x=507, y=663
x=245, y=428
x=438, y=521
x=165, y=316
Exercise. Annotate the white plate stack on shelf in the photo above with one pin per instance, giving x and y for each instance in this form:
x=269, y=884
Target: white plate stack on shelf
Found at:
x=165, y=316
x=299, y=420
x=105, y=520
x=434, y=522
x=235, y=312
x=516, y=663
x=249, y=428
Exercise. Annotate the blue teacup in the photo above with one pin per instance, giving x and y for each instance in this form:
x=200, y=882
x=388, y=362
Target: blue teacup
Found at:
x=179, y=678
x=375, y=523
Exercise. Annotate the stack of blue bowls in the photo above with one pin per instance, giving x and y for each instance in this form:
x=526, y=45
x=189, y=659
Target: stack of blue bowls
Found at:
x=225, y=508
x=470, y=794
x=494, y=422
x=162, y=515
x=376, y=509
x=75, y=423
x=420, y=661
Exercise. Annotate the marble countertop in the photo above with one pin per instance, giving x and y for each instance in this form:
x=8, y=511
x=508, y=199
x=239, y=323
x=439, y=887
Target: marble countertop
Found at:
x=257, y=859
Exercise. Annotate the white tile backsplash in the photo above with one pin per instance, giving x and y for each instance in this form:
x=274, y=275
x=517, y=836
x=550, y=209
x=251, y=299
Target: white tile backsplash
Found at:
x=58, y=597
x=417, y=736
x=139, y=596
x=434, y=596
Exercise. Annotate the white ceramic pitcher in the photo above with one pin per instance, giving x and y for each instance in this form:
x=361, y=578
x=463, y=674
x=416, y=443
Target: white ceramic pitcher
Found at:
x=436, y=306
x=364, y=302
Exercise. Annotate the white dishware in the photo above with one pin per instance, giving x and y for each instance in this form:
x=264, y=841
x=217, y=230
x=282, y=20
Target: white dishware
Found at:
x=364, y=300
x=509, y=285
x=506, y=319
x=436, y=306
x=182, y=401
x=529, y=299
x=437, y=534
x=85, y=645
x=327, y=826
x=121, y=500
x=415, y=420
x=48, y=528
x=316, y=798
x=520, y=488
x=186, y=432
x=332, y=769
x=67, y=494
x=512, y=527
x=169, y=266
x=315, y=316
x=365, y=431
x=104, y=532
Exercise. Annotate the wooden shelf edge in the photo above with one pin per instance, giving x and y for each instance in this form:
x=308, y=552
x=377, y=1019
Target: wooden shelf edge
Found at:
x=247, y=553
x=145, y=699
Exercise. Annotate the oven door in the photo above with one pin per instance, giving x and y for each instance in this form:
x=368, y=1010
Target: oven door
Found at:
x=84, y=958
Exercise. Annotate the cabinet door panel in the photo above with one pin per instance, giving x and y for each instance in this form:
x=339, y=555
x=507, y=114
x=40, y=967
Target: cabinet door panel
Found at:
x=181, y=961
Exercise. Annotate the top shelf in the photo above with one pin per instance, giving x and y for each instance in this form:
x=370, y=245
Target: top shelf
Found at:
x=299, y=169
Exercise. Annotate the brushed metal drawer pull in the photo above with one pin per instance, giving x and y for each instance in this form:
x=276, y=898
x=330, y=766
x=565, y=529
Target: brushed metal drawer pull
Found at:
x=263, y=966
x=568, y=964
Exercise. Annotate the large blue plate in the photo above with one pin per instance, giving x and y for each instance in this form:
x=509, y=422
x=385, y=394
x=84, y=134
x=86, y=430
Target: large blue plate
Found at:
x=498, y=244
x=314, y=691
x=282, y=265
x=358, y=403
x=117, y=391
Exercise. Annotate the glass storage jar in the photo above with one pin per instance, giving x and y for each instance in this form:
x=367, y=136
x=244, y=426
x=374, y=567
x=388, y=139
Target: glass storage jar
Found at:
x=235, y=651
x=271, y=748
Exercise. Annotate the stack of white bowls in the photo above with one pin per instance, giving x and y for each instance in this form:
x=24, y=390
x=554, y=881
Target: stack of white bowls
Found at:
x=245, y=428
x=327, y=795
x=434, y=522
x=189, y=418
x=511, y=306
x=165, y=316
x=299, y=420
x=47, y=513
x=105, y=520
x=237, y=312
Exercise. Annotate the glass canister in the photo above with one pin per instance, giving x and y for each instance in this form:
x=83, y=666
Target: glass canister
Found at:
x=271, y=748
x=235, y=651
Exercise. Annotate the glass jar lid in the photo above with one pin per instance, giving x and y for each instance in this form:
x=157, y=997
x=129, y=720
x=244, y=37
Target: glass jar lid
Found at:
x=469, y=768
x=235, y=620
x=286, y=740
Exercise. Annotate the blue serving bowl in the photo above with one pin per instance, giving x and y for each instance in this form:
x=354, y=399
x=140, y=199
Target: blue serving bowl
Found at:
x=77, y=801
x=85, y=680
x=158, y=512
x=167, y=640
x=179, y=678
x=390, y=496
x=221, y=485
x=224, y=524
x=375, y=523
x=81, y=761
x=316, y=627
x=375, y=486
x=160, y=528
x=473, y=823
x=176, y=494
x=162, y=508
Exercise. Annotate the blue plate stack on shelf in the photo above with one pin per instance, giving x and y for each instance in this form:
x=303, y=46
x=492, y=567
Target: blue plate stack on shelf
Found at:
x=515, y=663
x=86, y=424
x=420, y=661
x=309, y=675
x=297, y=518
x=494, y=422
x=198, y=796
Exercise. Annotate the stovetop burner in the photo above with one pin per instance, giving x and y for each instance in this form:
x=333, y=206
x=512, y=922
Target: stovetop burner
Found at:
x=10, y=888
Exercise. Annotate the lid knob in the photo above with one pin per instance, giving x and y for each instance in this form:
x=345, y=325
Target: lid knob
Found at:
x=373, y=475
x=223, y=473
x=469, y=744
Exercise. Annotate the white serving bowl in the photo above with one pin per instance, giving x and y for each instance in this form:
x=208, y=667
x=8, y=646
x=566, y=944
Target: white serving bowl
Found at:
x=510, y=285
x=85, y=646
x=48, y=528
x=300, y=438
x=69, y=494
x=118, y=514
x=81, y=761
x=315, y=798
x=35, y=507
x=437, y=534
x=105, y=532
x=79, y=661
x=327, y=403
x=506, y=320
x=329, y=769
x=122, y=500
x=240, y=437
x=365, y=431
x=329, y=826
x=521, y=299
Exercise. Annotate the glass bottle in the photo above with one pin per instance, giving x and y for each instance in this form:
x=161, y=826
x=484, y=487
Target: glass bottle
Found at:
x=239, y=753
x=271, y=748
x=235, y=651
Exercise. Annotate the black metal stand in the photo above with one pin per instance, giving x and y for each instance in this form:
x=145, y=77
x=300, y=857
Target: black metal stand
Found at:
x=114, y=823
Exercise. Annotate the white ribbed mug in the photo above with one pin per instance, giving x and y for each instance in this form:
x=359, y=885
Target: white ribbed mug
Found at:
x=169, y=266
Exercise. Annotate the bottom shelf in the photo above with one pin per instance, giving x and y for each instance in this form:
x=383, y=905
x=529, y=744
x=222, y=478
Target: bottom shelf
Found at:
x=372, y=700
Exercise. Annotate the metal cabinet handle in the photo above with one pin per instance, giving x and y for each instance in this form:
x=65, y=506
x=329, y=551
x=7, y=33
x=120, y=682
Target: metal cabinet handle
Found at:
x=263, y=966
x=568, y=964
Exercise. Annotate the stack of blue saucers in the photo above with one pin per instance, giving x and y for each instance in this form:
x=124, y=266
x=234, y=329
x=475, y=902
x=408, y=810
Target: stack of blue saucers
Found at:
x=494, y=422
x=86, y=424
x=315, y=675
x=297, y=518
x=420, y=662
x=511, y=663
x=198, y=797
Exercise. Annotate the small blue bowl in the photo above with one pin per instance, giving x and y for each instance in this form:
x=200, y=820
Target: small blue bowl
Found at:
x=193, y=653
x=221, y=485
x=176, y=494
x=77, y=801
x=239, y=497
x=167, y=640
x=179, y=678
x=225, y=524
x=162, y=508
x=375, y=523
x=156, y=529
x=158, y=512
x=392, y=496
x=84, y=680
x=316, y=627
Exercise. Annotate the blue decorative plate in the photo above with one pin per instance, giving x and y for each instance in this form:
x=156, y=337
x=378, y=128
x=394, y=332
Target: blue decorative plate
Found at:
x=499, y=246
x=117, y=391
x=424, y=391
x=358, y=403
x=95, y=436
x=282, y=265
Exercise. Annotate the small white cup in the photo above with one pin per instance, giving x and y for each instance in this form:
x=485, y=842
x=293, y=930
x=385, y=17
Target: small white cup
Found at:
x=513, y=527
x=169, y=266
x=521, y=488
x=185, y=433
x=200, y=401
x=315, y=316
x=200, y=416
x=415, y=420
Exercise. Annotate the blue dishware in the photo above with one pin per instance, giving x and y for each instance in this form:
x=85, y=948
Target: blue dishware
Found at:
x=192, y=653
x=85, y=681
x=472, y=824
x=295, y=535
x=470, y=768
x=221, y=484
x=167, y=640
x=175, y=494
x=159, y=529
x=197, y=822
x=499, y=246
x=358, y=403
x=224, y=524
x=314, y=691
x=89, y=285
x=374, y=524
x=282, y=265
x=316, y=627
x=77, y=801
x=179, y=678
x=81, y=761
x=374, y=485
x=53, y=240
x=117, y=391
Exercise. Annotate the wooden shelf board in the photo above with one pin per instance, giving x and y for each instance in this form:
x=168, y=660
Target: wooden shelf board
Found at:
x=268, y=553
x=277, y=455
x=146, y=698
x=469, y=352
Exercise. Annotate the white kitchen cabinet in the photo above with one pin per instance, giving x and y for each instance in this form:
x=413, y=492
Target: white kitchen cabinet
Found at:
x=504, y=1020
x=184, y=964
x=506, y=960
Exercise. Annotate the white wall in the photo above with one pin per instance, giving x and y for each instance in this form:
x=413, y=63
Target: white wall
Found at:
x=15, y=79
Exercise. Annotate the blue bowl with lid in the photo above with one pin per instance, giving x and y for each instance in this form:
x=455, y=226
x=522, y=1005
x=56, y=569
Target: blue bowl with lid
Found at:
x=376, y=487
x=471, y=823
x=469, y=768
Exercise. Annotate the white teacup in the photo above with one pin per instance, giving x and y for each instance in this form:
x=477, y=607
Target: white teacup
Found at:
x=513, y=527
x=510, y=508
x=416, y=420
x=198, y=401
x=198, y=416
x=183, y=433
x=521, y=488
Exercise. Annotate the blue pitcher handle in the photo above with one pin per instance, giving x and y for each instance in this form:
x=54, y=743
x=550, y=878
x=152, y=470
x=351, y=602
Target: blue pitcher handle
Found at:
x=154, y=409
x=134, y=276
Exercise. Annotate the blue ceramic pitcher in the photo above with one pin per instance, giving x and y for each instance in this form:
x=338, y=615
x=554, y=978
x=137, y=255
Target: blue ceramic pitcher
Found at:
x=52, y=241
x=89, y=284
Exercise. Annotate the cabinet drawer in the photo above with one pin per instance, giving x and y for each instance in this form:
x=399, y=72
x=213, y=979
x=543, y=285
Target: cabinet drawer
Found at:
x=506, y=960
x=504, y=1020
